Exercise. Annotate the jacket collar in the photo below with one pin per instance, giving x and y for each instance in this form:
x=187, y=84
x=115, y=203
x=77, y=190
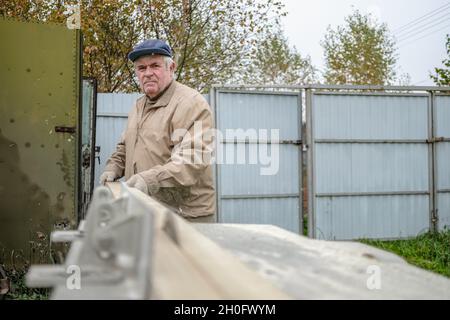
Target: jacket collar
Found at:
x=164, y=99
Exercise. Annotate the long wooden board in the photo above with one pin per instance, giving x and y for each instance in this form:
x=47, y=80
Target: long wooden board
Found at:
x=316, y=269
x=188, y=265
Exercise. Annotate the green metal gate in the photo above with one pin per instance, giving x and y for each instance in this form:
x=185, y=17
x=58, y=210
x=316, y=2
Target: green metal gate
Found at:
x=39, y=103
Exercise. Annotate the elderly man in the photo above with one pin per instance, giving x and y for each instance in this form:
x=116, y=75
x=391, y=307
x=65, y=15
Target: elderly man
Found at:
x=167, y=121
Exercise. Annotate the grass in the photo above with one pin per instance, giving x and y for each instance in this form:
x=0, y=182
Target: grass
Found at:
x=19, y=291
x=305, y=225
x=430, y=251
x=41, y=252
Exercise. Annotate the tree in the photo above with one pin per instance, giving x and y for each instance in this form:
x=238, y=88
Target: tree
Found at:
x=108, y=35
x=442, y=77
x=361, y=52
x=277, y=63
x=214, y=37
x=210, y=38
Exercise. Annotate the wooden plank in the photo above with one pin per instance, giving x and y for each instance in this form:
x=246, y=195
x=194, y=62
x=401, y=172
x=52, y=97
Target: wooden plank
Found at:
x=316, y=269
x=181, y=253
x=234, y=279
x=174, y=276
x=115, y=188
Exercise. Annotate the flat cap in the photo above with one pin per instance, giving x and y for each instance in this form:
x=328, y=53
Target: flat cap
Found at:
x=150, y=47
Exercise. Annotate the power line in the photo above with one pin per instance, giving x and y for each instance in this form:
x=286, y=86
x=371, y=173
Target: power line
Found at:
x=405, y=44
x=426, y=16
x=424, y=22
x=403, y=38
x=424, y=35
x=444, y=18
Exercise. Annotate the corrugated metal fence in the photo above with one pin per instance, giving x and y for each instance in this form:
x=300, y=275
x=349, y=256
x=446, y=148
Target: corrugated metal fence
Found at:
x=245, y=193
x=370, y=165
x=378, y=162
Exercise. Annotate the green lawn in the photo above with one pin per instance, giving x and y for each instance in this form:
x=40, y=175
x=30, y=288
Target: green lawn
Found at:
x=20, y=291
x=428, y=251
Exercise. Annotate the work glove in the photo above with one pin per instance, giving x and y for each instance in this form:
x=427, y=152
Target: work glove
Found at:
x=108, y=176
x=137, y=181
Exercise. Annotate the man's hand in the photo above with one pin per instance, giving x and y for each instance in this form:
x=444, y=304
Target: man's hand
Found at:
x=138, y=182
x=108, y=176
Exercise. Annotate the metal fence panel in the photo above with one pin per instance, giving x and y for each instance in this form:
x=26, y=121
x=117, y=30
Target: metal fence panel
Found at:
x=244, y=194
x=384, y=217
x=259, y=111
x=242, y=179
x=442, y=129
x=116, y=103
x=282, y=212
x=364, y=167
x=353, y=116
x=370, y=165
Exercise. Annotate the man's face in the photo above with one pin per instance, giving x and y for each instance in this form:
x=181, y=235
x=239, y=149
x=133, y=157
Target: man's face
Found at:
x=153, y=74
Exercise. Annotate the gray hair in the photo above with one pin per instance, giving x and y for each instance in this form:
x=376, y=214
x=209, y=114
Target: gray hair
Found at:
x=168, y=61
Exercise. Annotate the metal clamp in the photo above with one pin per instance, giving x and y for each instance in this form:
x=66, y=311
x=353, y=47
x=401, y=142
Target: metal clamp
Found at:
x=111, y=251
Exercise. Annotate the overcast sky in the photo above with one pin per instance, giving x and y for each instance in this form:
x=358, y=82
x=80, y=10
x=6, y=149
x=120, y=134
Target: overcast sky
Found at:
x=421, y=24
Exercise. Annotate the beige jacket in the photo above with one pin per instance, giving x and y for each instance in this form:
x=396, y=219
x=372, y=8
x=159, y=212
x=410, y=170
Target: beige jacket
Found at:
x=156, y=138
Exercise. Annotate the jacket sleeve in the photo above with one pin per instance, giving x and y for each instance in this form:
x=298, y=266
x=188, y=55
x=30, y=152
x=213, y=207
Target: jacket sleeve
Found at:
x=191, y=155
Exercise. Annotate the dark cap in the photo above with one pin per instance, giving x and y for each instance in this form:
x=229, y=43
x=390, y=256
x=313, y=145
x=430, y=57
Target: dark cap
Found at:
x=150, y=47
